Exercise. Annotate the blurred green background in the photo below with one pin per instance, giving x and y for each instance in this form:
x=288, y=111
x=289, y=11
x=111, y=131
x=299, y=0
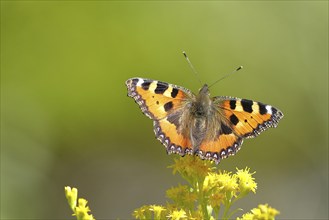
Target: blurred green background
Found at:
x=66, y=119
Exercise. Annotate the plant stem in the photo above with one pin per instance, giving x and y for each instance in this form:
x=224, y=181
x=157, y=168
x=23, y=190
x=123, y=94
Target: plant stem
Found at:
x=202, y=201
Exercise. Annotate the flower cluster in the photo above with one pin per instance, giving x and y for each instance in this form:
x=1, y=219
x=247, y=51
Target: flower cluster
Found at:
x=209, y=194
x=80, y=211
x=263, y=212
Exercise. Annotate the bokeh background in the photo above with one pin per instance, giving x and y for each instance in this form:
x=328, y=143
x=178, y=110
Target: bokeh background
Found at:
x=66, y=119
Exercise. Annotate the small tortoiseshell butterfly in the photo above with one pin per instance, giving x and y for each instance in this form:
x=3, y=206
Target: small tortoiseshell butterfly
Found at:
x=212, y=128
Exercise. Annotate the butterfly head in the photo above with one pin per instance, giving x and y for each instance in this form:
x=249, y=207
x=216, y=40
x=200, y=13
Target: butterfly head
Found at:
x=204, y=90
x=201, y=106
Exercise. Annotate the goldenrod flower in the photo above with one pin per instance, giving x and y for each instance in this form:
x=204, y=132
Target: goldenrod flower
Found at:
x=192, y=168
x=216, y=199
x=71, y=196
x=175, y=193
x=247, y=216
x=207, y=194
x=177, y=215
x=182, y=196
x=80, y=211
x=263, y=212
x=227, y=182
x=142, y=212
x=246, y=181
x=157, y=210
x=223, y=182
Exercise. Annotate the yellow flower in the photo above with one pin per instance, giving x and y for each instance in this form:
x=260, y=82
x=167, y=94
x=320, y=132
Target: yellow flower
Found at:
x=177, y=215
x=140, y=213
x=246, y=181
x=224, y=182
x=263, y=212
x=227, y=182
x=157, y=209
x=192, y=167
x=216, y=199
x=181, y=195
x=71, y=196
x=82, y=210
x=176, y=193
x=247, y=216
x=220, y=188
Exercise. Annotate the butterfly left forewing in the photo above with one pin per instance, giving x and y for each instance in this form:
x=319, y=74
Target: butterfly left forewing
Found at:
x=166, y=104
x=155, y=98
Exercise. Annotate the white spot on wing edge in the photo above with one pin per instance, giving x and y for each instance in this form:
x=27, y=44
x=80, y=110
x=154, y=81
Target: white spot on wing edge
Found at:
x=269, y=109
x=140, y=82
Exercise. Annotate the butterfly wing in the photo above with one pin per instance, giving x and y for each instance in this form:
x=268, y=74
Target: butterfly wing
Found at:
x=248, y=118
x=235, y=119
x=167, y=105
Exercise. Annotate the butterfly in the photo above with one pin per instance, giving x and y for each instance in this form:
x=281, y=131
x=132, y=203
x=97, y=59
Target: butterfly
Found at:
x=211, y=127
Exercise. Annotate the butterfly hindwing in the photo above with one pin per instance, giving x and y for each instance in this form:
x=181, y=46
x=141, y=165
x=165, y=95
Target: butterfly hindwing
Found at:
x=220, y=139
x=221, y=147
x=174, y=141
x=235, y=119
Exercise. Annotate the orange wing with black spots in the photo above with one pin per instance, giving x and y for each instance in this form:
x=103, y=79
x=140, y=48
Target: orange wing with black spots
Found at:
x=222, y=146
x=157, y=99
x=174, y=141
x=165, y=104
x=236, y=119
x=246, y=117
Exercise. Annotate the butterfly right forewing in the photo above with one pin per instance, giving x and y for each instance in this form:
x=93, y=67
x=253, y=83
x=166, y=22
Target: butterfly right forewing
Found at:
x=248, y=118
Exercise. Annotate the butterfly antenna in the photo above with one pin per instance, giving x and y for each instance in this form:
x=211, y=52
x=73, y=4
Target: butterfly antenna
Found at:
x=192, y=67
x=236, y=70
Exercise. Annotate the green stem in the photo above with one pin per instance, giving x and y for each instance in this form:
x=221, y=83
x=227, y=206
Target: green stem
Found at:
x=216, y=212
x=202, y=201
x=227, y=208
x=228, y=203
